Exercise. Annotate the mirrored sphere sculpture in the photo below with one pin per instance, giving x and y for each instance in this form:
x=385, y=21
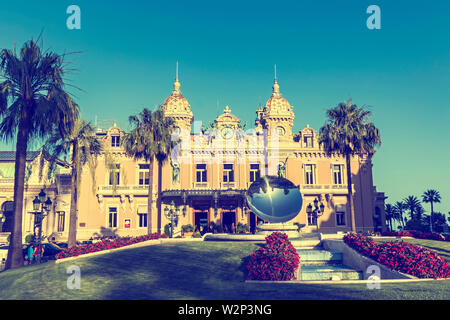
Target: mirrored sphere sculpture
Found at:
x=274, y=199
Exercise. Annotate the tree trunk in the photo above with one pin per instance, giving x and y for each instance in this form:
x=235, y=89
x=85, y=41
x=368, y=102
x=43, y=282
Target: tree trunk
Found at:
x=350, y=192
x=158, y=199
x=15, y=255
x=150, y=196
x=72, y=241
x=431, y=217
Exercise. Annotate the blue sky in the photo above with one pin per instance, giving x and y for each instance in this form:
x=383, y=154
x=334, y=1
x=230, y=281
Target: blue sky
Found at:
x=324, y=54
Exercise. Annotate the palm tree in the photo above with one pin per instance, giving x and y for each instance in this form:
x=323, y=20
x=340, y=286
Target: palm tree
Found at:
x=85, y=148
x=389, y=209
x=151, y=138
x=431, y=196
x=399, y=209
x=32, y=104
x=413, y=204
x=349, y=132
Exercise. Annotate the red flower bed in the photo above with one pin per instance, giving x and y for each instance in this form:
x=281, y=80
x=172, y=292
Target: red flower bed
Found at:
x=106, y=245
x=401, y=256
x=416, y=234
x=277, y=261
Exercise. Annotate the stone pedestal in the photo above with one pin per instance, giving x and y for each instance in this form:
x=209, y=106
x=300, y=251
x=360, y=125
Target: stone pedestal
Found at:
x=287, y=228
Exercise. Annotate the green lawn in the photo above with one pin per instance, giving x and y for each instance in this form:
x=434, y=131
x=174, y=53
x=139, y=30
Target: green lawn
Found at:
x=189, y=270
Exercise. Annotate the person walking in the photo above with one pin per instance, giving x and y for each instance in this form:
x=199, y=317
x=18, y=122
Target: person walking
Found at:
x=29, y=256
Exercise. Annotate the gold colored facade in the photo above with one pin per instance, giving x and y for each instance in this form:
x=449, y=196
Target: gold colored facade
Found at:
x=208, y=173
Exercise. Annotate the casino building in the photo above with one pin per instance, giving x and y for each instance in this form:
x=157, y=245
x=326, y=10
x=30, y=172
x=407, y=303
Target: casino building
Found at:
x=206, y=177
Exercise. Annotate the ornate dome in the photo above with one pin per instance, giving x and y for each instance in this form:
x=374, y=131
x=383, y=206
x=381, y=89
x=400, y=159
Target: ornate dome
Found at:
x=176, y=104
x=277, y=114
x=277, y=105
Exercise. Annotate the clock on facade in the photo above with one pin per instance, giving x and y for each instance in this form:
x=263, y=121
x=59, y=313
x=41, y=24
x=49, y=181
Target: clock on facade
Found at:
x=227, y=133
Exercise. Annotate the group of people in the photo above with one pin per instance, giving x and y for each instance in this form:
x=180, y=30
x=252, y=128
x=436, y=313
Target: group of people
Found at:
x=212, y=228
x=32, y=252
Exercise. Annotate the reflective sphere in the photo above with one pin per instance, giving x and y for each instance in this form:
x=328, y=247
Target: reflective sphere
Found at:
x=274, y=199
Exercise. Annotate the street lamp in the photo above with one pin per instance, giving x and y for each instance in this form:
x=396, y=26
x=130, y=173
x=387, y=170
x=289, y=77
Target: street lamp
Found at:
x=41, y=209
x=172, y=215
x=318, y=210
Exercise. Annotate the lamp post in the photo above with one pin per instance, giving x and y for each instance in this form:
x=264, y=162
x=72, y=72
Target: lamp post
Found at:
x=41, y=209
x=318, y=211
x=172, y=214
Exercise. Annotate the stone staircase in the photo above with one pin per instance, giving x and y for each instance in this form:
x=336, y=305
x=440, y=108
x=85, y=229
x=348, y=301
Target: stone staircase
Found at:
x=320, y=264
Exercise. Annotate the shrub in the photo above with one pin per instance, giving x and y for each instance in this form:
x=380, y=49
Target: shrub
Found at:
x=197, y=235
x=29, y=238
x=106, y=245
x=187, y=228
x=401, y=256
x=242, y=228
x=277, y=261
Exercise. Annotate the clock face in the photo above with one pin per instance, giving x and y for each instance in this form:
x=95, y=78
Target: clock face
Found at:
x=227, y=133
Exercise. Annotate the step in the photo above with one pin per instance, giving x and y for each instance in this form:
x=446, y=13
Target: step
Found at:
x=306, y=243
x=313, y=235
x=314, y=256
x=329, y=272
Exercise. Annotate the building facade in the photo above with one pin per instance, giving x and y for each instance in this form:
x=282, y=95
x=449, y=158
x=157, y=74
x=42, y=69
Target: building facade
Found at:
x=208, y=173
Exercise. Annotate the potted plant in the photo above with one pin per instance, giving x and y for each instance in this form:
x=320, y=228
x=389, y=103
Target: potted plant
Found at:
x=187, y=230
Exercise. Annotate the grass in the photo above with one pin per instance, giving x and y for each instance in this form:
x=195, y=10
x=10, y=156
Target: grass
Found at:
x=189, y=270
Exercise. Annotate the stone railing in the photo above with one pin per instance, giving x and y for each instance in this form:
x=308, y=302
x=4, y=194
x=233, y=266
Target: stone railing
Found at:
x=6, y=180
x=228, y=185
x=325, y=188
x=200, y=185
x=130, y=189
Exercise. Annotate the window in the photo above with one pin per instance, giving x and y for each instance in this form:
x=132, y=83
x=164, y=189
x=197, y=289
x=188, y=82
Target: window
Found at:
x=114, y=175
x=228, y=173
x=142, y=216
x=310, y=174
x=254, y=172
x=337, y=173
x=201, y=173
x=112, y=219
x=142, y=220
x=308, y=141
x=340, y=215
x=115, y=141
x=144, y=175
x=61, y=220
x=281, y=131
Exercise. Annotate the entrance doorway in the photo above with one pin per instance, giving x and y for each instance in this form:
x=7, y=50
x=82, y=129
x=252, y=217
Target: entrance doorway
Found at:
x=201, y=221
x=8, y=212
x=229, y=221
x=254, y=221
